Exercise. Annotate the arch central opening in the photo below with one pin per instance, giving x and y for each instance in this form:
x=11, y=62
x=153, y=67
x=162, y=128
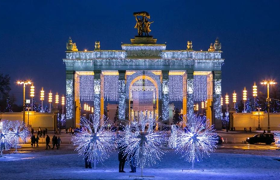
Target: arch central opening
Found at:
x=143, y=97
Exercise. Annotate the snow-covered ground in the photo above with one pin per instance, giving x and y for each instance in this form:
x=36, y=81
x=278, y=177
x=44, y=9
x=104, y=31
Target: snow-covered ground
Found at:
x=65, y=164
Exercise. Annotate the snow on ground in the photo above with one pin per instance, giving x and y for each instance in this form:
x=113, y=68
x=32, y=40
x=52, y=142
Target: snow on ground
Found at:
x=66, y=164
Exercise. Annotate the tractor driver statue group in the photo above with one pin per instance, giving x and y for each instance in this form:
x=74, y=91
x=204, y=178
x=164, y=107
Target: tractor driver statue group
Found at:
x=142, y=24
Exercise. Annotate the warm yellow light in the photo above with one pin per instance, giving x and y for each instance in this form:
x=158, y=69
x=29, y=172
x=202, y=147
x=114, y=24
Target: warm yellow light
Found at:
x=32, y=91
x=202, y=105
x=85, y=50
x=271, y=82
x=234, y=97
x=85, y=106
x=24, y=82
x=244, y=94
x=222, y=101
x=62, y=100
x=206, y=104
x=197, y=107
x=56, y=98
x=50, y=97
x=92, y=109
x=227, y=99
x=42, y=95
x=255, y=90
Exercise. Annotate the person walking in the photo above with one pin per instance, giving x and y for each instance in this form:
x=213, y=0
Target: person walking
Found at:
x=54, y=141
x=37, y=140
x=122, y=158
x=33, y=139
x=58, y=142
x=48, y=142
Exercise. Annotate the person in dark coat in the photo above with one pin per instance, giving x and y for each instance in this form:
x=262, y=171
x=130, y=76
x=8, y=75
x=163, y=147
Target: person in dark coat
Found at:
x=33, y=140
x=87, y=162
x=54, y=141
x=122, y=158
x=37, y=140
x=58, y=143
x=48, y=142
x=32, y=131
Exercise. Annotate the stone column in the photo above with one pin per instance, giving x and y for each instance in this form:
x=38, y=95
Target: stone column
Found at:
x=70, y=103
x=165, y=96
x=190, y=98
x=96, y=104
x=122, y=95
x=217, y=92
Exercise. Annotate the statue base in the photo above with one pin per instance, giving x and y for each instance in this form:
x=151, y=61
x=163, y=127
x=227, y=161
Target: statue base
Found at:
x=143, y=40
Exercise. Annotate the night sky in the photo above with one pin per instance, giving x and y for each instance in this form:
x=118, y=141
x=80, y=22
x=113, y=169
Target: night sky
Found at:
x=33, y=35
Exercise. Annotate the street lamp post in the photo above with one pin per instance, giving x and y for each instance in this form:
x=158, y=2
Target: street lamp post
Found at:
x=50, y=101
x=32, y=94
x=259, y=121
x=57, y=100
x=267, y=83
x=42, y=97
x=234, y=98
x=244, y=98
x=255, y=94
x=24, y=83
x=62, y=103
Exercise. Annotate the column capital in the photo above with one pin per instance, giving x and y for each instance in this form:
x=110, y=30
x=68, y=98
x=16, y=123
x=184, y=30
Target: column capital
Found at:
x=190, y=74
x=165, y=74
x=122, y=74
x=97, y=74
x=217, y=74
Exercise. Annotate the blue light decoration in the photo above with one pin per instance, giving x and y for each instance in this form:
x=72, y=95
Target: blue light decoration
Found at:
x=94, y=143
x=175, y=87
x=111, y=87
x=196, y=141
x=200, y=88
x=141, y=143
x=87, y=88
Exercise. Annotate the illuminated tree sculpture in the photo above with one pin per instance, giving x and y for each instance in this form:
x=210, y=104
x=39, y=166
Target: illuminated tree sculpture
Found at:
x=4, y=136
x=142, y=144
x=195, y=141
x=17, y=130
x=94, y=143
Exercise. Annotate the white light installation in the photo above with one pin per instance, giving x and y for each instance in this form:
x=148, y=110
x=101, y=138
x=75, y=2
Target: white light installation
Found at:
x=200, y=87
x=87, y=88
x=111, y=87
x=175, y=88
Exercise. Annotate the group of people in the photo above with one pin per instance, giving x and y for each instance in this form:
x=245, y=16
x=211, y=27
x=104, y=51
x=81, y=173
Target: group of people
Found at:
x=34, y=140
x=40, y=132
x=56, y=141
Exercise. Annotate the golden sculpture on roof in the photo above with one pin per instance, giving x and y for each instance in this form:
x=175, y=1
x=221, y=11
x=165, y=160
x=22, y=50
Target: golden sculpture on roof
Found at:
x=142, y=23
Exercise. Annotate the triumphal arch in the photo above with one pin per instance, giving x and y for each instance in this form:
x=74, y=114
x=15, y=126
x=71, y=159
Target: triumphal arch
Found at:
x=143, y=76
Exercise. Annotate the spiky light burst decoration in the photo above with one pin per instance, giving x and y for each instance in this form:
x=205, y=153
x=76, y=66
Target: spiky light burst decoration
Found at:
x=93, y=142
x=195, y=141
x=142, y=143
x=11, y=132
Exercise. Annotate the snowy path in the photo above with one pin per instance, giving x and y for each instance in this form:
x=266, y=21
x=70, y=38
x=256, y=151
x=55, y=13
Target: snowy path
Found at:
x=65, y=164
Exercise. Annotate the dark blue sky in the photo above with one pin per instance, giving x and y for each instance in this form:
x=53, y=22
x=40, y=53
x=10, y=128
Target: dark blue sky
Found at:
x=33, y=35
